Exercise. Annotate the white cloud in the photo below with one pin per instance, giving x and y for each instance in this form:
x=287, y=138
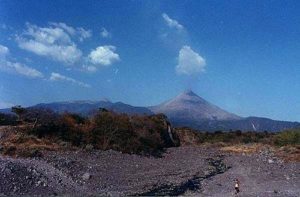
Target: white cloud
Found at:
x=84, y=34
x=190, y=62
x=23, y=69
x=172, y=23
x=4, y=51
x=90, y=68
x=104, y=55
x=104, y=33
x=78, y=31
x=69, y=29
x=67, y=54
x=116, y=71
x=54, y=42
x=16, y=67
x=47, y=35
x=58, y=77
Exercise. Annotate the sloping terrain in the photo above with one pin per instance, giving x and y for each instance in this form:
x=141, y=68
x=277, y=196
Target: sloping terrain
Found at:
x=253, y=124
x=190, y=107
x=259, y=175
x=245, y=124
x=195, y=171
x=186, y=110
x=87, y=108
x=190, y=110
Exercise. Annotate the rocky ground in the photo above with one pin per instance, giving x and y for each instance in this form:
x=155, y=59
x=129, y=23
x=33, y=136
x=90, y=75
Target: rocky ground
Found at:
x=198, y=171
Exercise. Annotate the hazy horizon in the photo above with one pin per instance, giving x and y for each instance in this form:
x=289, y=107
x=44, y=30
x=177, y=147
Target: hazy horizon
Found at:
x=242, y=56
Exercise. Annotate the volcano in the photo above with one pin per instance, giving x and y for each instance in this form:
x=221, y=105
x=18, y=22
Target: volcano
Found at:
x=190, y=110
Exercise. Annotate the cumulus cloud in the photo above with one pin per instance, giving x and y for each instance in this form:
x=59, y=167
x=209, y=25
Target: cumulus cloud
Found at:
x=172, y=23
x=58, y=77
x=84, y=34
x=3, y=51
x=190, y=62
x=78, y=31
x=54, y=41
x=104, y=55
x=67, y=28
x=23, y=69
x=16, y=67
x=104, y=33
x=67, y=54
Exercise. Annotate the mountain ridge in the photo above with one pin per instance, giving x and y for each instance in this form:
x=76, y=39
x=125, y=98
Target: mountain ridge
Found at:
x=190, y=110
x=185, y=110
x=87, y=108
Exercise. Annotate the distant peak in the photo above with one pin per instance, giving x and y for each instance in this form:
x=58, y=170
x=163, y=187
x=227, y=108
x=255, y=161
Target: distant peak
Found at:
x=105, y=100
x=189, y=92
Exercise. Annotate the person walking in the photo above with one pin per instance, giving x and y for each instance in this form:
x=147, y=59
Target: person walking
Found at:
x=237, y=186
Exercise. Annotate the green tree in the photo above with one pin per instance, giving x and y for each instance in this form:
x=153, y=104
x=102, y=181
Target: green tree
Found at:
x=20, y=111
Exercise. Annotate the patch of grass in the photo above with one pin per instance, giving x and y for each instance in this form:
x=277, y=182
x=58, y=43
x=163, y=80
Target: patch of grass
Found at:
x=244, y=148
x=19, y=143
x=189, y=136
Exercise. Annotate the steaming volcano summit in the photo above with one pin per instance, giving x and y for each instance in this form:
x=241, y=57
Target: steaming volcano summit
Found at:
x=190, y=106
x=185, y=110
x=190, y=110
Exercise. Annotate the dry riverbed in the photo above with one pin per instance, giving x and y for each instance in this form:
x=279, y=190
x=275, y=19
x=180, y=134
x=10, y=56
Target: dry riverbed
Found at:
x=198, y=171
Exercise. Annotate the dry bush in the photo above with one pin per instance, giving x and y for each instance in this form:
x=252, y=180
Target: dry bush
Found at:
x=289, y=153
x=130, y=134
x=288, y=137
x=189, y=137
x=8, y=119
x=107, y=130
x=18, y=142
x=192, y=137
x=112, y=131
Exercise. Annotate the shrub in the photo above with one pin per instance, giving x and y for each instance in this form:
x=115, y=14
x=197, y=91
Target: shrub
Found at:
x=19, y=111
x=192, y=137
x=108, y=130
x=289, y=137
x=7, y=119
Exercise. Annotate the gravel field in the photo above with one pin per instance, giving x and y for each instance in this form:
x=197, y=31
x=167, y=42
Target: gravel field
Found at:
x=195, y=171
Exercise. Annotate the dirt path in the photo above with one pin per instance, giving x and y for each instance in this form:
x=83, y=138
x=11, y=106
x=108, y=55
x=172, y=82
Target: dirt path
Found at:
x=193, y=171
x=259, y=176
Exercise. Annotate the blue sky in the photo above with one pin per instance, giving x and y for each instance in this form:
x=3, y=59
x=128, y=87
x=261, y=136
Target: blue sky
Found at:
x=240, y=55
